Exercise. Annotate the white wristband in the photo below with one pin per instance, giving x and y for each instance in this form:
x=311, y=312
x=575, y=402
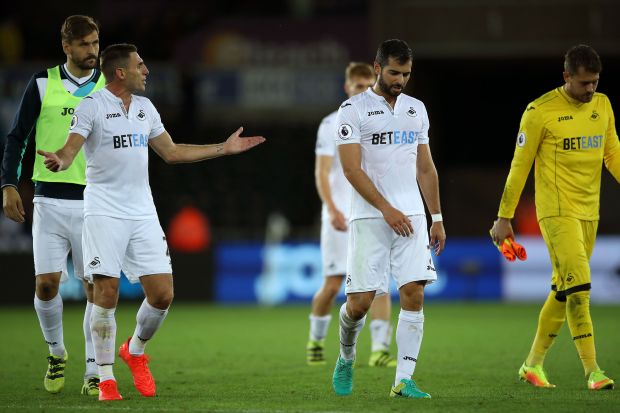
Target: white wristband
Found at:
x=436, y=218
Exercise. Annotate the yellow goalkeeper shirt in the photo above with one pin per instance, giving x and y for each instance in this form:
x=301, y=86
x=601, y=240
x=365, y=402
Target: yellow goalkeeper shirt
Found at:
x=569, y=141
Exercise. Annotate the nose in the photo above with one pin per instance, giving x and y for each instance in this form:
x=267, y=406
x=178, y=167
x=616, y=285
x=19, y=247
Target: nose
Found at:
x=590, y=87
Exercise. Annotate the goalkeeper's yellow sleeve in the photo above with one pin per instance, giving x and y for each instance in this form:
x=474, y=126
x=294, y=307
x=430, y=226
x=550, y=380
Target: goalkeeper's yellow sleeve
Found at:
x=531, y=132
x=612, y=146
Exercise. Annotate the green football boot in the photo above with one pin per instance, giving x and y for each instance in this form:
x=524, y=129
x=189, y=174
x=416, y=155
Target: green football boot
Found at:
x=91, y=386
x=54, y=380
x=315, y=353
x=535, y=376
x=381, y=358
x=408, y=388
x=599, y=381
x=342, y=380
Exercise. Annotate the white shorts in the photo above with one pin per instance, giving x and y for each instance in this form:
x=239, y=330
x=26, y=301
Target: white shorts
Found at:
x=136, y=247
x=376, y=251
x=56, y=230
x=333, y=249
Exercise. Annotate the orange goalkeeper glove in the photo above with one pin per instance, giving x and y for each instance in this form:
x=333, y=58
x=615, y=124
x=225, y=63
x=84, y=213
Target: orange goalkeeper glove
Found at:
x=511, y=249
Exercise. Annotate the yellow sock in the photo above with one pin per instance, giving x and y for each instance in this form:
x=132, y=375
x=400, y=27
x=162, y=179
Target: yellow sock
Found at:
x=580, y=324
x=550, y=322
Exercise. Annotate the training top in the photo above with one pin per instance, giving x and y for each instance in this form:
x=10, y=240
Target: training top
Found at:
x=45, y=112
x=389, y=140
x=569, y=140
x=116, y=150
x=338, y=183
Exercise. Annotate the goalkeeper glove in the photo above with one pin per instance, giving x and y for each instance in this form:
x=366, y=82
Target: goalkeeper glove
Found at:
x=511, y=249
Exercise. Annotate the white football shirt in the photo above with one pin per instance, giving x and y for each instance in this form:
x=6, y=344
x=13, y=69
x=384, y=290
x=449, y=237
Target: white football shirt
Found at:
x=117, y=154
x=389, y=140
x=340, y=187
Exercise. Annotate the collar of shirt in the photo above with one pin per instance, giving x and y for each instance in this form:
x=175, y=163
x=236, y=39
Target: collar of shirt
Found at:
x=569, y=99
x=370, y=92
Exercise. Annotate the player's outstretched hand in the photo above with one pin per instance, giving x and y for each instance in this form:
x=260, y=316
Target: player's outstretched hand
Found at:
x=438, y=237
x=399, y=222
x=52, y=161
x=502, y=229
x=12, y=204
x=237, y=144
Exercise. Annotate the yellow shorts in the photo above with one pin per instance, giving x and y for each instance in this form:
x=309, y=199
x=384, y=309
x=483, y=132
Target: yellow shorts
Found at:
x=570, y=242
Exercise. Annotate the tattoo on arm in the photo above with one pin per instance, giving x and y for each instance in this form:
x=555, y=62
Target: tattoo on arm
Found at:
x=219, y=148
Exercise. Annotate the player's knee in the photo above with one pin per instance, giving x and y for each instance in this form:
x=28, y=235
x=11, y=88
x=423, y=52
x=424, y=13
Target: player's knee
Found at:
x=162, y=300
x=106, y=295
x=331, y=291
x=357, y=313
x=578, y=299
x=358, y=309
x=46, y=288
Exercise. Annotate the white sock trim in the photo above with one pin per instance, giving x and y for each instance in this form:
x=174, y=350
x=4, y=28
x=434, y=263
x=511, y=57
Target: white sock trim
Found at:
x=320, y=317
x=411, y=316
x=49, y=303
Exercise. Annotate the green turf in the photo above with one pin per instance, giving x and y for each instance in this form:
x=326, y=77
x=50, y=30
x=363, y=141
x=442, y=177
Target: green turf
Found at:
x=233, y=359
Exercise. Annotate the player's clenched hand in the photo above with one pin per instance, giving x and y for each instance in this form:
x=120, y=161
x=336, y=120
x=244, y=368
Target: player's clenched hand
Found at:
x=12, y=204
x=338, y=220
x=398, y=221
x=501, y=230
x=438, y=237
x=52, y=161
x=237, y=144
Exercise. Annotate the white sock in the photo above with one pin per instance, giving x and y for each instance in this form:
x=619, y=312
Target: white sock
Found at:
x=318, y=326
x=89, y=349
x=349, y=331
x=380, y=335
x=106, y=373
x=50, y=319
x=409, y=333
x=148, y=321
x=103, y=330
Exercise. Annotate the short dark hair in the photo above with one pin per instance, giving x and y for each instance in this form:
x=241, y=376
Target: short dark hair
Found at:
x=77, y=26
x=584, y=56
x=396, y=49
x=114, y=56
x=359, y=69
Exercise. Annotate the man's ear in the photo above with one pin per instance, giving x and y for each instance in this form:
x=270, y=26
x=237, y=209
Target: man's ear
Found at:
x=120, y=73
x=66, y=48
x=566, y=76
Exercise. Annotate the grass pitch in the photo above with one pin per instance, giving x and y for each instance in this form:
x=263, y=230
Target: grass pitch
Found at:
x=250, y=359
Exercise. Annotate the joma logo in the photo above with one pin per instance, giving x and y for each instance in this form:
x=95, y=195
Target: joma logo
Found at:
x=375, y=112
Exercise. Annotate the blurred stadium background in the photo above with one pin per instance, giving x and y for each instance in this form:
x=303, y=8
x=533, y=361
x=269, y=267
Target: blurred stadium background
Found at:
x=245, y=229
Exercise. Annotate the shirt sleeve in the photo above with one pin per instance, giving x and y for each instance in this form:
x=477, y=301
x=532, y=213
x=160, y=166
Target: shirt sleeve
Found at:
x=612, y=146
x=157, y=127
x=423, y=134
x=325, y=144
x=84, y=117
x=22, y=128
x=531, y=132
x=348, y=125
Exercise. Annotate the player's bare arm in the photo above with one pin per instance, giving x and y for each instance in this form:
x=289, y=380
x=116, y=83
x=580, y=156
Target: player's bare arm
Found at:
x=12, y=204
x=429, y=185
x=351, y=158
x=63, y=157
x=172, y=152
x=322, y=166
